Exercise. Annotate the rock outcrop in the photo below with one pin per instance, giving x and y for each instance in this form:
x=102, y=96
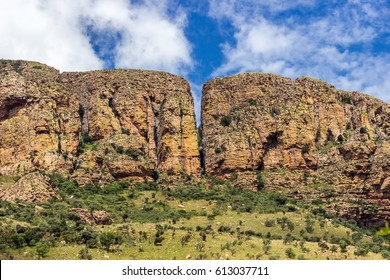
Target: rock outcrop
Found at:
x=97, y=217
x=33, y=187
x=95, y=126
x=301, y=136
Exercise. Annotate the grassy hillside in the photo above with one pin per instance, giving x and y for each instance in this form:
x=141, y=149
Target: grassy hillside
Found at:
x=187, y=222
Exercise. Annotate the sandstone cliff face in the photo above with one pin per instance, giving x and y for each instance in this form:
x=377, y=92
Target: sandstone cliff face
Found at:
x=95, y=126
x=38, y=122
x=303, y=136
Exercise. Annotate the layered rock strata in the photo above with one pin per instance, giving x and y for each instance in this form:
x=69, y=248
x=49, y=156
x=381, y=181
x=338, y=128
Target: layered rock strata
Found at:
x=95, y=126
x=302, y=136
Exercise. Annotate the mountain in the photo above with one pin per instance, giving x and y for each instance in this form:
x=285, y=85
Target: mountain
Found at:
x=300, y=137
x=97, y=126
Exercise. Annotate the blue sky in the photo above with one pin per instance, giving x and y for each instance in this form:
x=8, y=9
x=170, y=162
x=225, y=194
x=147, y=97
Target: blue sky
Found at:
x=346, y=43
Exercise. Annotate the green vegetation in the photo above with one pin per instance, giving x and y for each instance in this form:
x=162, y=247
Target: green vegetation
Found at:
x=384, y=232
x=17, y=65
x=226, y=120
x=86, y=143
x=363, y=130
x=260, y=181
x=155, y=222
x=345, y=98
x=133, y=153
x=252, y=102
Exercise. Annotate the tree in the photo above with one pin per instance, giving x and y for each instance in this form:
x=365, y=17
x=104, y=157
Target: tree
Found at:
x=84, y=254
x=267, y=249
x=290, y=225
x=343, y=246
x=41, y=250
x=361, y=252
x=384, y=232
x=356, y=237
x=260, y=181
x=107, y=239
x=323, y=245
x=290, y=253
x=18, y=240
x=200, y=246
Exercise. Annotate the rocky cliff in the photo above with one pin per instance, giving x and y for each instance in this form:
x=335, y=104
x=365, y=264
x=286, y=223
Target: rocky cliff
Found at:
x=95, y=126
x=302, y=137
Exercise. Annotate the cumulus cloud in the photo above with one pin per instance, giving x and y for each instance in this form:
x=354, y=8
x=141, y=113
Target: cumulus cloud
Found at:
x=83, y=35
x=335, y=45
x=33, y=31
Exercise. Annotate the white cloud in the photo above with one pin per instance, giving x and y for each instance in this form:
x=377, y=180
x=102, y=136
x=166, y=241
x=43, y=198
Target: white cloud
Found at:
x=318, y=46
x=33, y=32
x=239, y=9
x=58, y=33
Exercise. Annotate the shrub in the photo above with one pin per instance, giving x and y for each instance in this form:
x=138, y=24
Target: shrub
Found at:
x=18, y=240
x=323, y=245
x=260, y=181
x=88, y=238
x=252, y=102
x=200, y=246
x=226, y=120
x=288, y=238
x=385, y=232
x=158, y=240
x=309, y=225
x=361, y=252
x=269, y=223
x=290, y=253
x=185, y=239
x=343, y=246
x=290, y=225
x=107, y=239
x=86, y=143
x=33, y=235
x=356, y=237
x=305, y=149
x=224, y=229
x=84, y=254
x=267, y=249
x=133, y=153
x=41, y=250
x=155, y=175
